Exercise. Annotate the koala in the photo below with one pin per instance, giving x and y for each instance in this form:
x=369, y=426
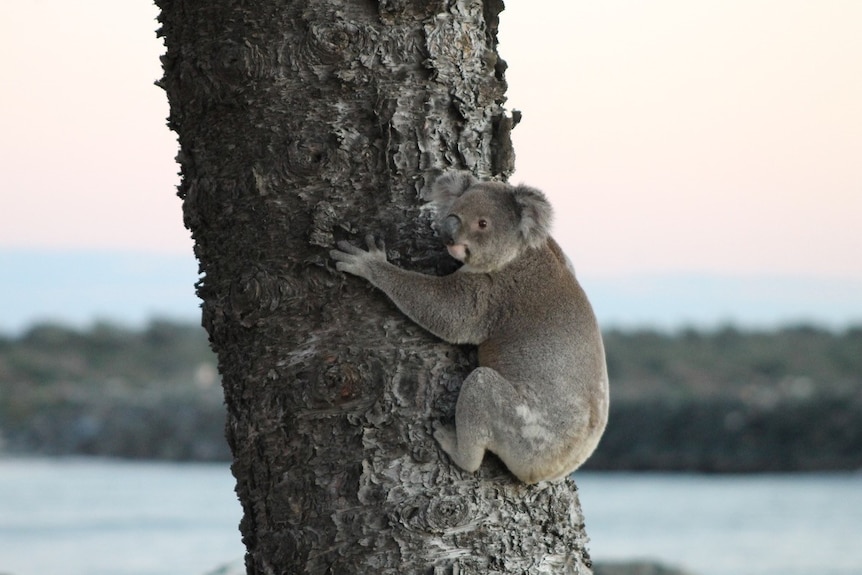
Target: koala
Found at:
x=539, y=398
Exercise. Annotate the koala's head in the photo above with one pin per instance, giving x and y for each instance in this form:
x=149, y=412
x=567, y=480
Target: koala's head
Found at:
x=488, y=224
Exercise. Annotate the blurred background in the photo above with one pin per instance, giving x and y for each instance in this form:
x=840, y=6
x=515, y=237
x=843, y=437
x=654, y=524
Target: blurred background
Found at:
x=704, y=163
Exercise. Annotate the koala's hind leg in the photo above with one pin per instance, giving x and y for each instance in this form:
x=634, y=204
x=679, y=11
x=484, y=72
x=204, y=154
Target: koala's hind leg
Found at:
x=484, y=403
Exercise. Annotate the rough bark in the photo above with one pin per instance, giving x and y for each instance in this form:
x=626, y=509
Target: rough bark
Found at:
x=302, y=123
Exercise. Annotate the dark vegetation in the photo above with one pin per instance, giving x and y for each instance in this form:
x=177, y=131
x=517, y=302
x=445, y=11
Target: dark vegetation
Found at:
x=734, y=401
x=635, y=568
x=110, y=391
x=724, y=401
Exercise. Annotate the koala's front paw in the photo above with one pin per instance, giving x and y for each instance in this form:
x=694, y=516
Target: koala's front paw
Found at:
x=357, y=261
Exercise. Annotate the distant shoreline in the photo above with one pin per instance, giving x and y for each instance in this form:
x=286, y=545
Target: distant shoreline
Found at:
x=721, y=401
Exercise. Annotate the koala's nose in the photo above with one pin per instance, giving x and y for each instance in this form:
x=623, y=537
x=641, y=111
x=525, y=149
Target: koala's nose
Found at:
x=449, y=228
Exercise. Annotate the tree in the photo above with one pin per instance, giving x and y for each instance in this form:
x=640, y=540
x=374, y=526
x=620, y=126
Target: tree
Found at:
x=302, y=123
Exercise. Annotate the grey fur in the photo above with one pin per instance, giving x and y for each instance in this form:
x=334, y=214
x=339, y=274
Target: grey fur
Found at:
x=449, y=186
x=539, y=399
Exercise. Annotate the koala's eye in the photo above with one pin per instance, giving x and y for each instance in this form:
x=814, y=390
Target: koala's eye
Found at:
x=482, y=224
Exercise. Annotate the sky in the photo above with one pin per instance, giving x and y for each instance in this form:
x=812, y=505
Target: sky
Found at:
x=718, y=135
x=678, y=141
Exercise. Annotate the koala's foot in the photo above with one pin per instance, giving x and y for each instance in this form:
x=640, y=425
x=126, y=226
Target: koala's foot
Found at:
x=467, y=457
x=445, y=436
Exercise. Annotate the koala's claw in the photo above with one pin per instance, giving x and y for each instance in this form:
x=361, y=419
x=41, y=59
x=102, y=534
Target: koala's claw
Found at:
x=347, y=248
x=373, y=246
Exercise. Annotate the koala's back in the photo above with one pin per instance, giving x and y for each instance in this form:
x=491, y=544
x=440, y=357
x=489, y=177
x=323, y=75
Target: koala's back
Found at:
x=546, y=341
x=546, y=329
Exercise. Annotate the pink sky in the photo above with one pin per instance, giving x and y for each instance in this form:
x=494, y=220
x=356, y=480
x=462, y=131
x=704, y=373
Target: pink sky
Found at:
x=716, y=136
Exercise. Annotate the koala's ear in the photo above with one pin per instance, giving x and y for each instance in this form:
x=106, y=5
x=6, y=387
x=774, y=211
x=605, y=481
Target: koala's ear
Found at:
x=449, y=186
x=536, y=215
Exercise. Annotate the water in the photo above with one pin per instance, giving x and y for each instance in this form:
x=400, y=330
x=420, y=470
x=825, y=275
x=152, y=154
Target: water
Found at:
x=790, y=524
x=108, y=517
x=95, y=517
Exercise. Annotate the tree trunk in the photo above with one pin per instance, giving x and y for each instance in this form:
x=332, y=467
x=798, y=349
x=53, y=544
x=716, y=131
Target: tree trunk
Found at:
x=302, y=123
